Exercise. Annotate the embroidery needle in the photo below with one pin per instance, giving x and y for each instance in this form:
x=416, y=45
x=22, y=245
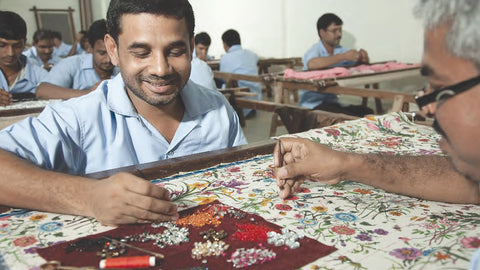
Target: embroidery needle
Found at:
x=280, y=159
x=156, y=254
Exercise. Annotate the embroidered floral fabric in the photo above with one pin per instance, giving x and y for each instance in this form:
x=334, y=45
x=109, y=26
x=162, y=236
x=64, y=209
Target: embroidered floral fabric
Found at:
x=370, y=228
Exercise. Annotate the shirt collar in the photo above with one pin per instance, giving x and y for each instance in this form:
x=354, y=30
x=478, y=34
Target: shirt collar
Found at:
x=235, y=47
x=119, y=102
x=86, y=61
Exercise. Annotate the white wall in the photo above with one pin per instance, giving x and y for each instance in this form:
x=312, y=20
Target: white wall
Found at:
x=287, y=28
x=284, y=28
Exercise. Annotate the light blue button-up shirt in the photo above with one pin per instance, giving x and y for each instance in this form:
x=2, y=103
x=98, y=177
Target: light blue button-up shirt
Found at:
x=32, y=54
x=241, y=61
x=102, y=130
x=75, y=72
x=62, y=50
x=311, y=99
x=28, y=83
x=202, y=74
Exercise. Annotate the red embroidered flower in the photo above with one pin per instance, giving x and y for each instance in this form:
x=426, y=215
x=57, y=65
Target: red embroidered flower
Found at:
x=283, y=207
x=25, y=241
x=303, y=190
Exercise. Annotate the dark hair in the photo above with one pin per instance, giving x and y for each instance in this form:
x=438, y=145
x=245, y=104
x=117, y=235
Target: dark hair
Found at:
x=97, y=31
x=57, y=34
x=178, y=9
x=203, y=38
x=231, y=37
x=41, y=34
x=327, y=19
x=12, y=26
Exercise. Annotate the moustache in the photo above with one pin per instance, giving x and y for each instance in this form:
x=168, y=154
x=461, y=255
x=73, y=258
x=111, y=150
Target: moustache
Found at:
x=159, y=80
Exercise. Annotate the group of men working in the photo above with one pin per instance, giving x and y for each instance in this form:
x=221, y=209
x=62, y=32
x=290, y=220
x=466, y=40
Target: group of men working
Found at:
x=151, y=111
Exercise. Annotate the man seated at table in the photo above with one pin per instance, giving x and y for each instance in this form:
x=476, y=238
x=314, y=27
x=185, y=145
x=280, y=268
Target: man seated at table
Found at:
x=328, y=53
x=149, y=112
x=18, y=74
x=80, y=72
x=240, y=61
x=202, y=74
x=60, y=48
x=41, y=53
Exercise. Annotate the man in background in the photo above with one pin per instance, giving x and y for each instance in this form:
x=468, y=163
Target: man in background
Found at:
x=18, y=75
x=60, y=48
x=41, y=53
x=240, y=61
x=80, y=72
x=202, y=44
x=328, y=53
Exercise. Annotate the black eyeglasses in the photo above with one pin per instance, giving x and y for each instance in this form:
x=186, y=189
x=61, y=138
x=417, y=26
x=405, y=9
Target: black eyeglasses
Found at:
x=447, y=92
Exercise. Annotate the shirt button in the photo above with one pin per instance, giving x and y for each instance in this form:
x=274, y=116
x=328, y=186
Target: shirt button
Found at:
x=171, y=153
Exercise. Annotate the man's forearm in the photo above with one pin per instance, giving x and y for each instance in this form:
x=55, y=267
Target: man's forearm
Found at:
x=323, y=62
x=51, y=91
x=25, y=185
x=426, y=177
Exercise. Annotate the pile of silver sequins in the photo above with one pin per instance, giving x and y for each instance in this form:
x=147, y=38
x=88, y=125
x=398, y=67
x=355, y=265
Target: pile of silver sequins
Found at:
x=172, y=235
x=216, y=248
x=242, y=257
x=287, y=238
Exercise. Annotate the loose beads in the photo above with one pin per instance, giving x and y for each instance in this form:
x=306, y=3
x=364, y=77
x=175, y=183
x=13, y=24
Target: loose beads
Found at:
x=112, y=249
x=242, y=257
x=200, y=219
x=251, y=232
x=287, y=237
x=215, y=248
x=172, y=235
x=211, y=233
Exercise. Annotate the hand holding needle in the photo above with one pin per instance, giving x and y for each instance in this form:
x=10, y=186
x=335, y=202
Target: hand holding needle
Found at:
x=280, y=159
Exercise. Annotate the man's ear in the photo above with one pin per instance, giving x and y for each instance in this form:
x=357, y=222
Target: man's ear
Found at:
x=321, y=33
x=112, y=49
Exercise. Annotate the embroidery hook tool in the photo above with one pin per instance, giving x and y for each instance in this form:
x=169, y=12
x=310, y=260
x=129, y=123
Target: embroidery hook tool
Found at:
x=156, y=254
x=280, y=160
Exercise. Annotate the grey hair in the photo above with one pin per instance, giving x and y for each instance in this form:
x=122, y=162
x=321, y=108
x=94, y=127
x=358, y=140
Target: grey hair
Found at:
x=463, y=37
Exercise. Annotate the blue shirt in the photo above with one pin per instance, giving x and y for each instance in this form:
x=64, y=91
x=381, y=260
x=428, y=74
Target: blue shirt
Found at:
x=32, y=54
x=62, y=50
x=240, y=61
x=33, y=74
x=102, y=130
x=311, y=99
x=194, y=55
x=75, y=72
x=202, y=74
x=475, y=261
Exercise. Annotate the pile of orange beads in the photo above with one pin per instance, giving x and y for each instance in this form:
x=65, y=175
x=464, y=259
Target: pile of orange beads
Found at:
x=201, y=218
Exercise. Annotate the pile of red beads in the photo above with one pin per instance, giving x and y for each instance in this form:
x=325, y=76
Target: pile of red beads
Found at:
x=251, y=233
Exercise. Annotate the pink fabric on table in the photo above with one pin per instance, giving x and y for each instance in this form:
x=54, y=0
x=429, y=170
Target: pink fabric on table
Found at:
x=316, y=74
x=342, y=72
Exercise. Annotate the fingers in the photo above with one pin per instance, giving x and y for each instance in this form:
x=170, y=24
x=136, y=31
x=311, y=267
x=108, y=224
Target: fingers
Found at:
x=5, y=98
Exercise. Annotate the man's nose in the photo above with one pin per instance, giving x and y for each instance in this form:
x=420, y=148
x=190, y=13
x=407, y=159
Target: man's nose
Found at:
x=159, y=65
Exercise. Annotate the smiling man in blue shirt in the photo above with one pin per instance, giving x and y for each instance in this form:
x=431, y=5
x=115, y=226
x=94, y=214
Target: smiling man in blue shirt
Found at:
x=149, y=112
x=80, y=72
x=18, y=74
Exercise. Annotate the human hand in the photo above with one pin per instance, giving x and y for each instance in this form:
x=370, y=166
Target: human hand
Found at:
x=304, y=159
x=352, y=55
x=5, y=98
x=363, y=57
x=124, y=198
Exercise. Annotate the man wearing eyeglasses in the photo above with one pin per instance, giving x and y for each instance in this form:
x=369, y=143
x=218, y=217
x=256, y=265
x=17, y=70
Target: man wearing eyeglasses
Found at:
x=451, y=64
x=328, y=53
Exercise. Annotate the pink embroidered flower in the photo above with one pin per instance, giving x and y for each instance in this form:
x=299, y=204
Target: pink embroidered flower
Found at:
x=471, y=242
x=303, y=190
x=342, y=229
x=372, y=126
x=233, y=169
x=406, y=253
x=25, y=241
x=333, y=132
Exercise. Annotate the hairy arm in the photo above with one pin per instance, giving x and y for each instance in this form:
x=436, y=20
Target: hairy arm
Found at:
x=120, y=199
x=327, y=61
x=51, y=91
x=426, y=177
